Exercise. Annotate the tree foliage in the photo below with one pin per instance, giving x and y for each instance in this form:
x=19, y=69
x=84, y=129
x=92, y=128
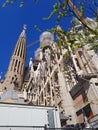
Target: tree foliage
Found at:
x=65, y=8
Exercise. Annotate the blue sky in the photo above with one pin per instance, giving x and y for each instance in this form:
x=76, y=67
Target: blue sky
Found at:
x=12, y=19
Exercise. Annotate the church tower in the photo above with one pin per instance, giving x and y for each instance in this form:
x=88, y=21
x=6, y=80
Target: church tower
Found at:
x=15, y=73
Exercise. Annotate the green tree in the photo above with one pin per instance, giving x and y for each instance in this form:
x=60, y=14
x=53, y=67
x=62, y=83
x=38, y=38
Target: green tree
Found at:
x=64, y=8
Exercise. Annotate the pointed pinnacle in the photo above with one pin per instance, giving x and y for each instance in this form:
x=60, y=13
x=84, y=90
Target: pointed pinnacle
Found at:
x=24, y=27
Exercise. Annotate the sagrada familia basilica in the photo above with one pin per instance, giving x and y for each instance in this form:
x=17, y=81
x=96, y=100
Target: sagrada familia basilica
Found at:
x=53, y=79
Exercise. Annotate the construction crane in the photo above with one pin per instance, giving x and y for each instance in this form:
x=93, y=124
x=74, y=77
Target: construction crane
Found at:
x=33, y=43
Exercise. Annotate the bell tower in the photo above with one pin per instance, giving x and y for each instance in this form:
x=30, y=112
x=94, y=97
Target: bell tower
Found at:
x=15, y=73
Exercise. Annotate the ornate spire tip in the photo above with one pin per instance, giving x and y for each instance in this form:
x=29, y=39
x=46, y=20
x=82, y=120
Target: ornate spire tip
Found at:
x=24, y=27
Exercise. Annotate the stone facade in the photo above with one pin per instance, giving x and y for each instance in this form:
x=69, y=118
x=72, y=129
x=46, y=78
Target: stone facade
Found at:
x=69, y=82
x=15, y=73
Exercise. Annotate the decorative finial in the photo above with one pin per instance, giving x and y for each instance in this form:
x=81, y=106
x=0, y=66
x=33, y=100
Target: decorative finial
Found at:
x=31, y=58
x=24, y=27
x=0, y=76
x=23, y=32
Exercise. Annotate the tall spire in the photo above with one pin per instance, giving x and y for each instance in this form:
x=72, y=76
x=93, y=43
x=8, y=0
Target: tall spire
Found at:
x=16, y=68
